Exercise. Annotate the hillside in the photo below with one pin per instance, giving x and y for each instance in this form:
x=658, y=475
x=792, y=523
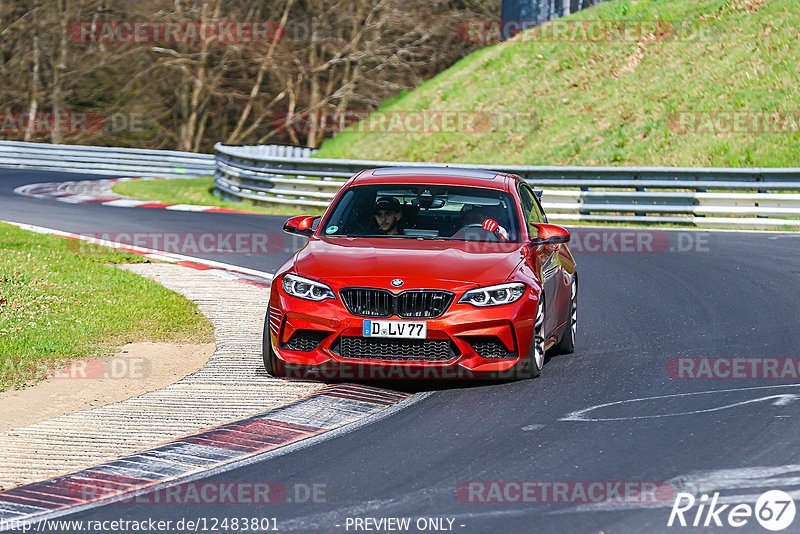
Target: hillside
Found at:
x=620, y=95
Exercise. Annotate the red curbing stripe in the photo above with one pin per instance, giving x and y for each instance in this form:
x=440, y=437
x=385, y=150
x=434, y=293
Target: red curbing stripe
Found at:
x=193, y=265
x=229, y=436
x=274, y=433
x=15, y=498
x=290, y=426
x=242, y=436
x=52, y=487
x=84, y=489
x=363, y=393
x=36, y=493
x=155, y=205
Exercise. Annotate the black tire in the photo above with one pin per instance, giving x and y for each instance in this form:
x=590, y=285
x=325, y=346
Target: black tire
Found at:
x=273, y=365
x=533, y=368
x=567, y=343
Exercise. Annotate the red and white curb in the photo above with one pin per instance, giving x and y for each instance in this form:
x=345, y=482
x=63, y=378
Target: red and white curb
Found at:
x=223, y=270
x=65, y=192
x=197, y=456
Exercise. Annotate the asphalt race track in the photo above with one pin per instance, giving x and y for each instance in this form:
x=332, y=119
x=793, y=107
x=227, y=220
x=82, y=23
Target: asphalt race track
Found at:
x=609, y=413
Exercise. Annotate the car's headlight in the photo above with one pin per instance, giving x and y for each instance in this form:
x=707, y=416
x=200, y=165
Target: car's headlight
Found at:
x=494, y=295
x=303, y=288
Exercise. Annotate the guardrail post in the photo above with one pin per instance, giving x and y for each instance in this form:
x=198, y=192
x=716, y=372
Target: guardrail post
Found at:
x=639, y=188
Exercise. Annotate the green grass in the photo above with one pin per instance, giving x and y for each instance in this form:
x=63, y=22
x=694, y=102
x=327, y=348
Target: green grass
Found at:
x=609, y=103
x=197, y=191
x=62, y=300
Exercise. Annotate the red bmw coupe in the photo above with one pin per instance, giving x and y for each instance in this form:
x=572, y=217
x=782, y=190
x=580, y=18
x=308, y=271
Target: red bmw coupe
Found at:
x=424, y=272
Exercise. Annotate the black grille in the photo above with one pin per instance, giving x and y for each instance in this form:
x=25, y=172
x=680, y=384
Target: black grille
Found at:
x=368, y=302
x=305, y=340
x=490, y=347
x=415, y=303
x=423, y=303
x=422, y=350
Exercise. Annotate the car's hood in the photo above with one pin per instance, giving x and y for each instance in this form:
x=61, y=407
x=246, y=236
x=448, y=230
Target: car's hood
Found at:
x=419, y=263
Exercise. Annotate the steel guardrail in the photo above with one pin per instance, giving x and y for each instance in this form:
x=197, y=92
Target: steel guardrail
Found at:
x=105, y=160
x=703, y=196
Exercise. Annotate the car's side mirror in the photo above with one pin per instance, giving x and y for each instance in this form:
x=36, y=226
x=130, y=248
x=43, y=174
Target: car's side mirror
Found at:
x=550, y=234
x=301, y=225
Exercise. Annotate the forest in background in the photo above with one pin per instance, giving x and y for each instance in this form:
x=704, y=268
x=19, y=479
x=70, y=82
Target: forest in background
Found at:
x=87, y=74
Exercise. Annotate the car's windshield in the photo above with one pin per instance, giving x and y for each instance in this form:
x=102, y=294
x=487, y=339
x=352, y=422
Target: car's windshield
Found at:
x=420, y=211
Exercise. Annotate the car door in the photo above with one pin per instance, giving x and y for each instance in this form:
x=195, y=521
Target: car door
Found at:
x=544, y=260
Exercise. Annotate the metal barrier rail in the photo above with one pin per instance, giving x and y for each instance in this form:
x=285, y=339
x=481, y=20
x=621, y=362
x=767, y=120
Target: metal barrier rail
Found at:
x=283, y=175
x=105, y=160
x=705, y=197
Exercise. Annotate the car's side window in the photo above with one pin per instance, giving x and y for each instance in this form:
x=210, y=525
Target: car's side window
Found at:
x=526, y=198
x=530, y=206
x=537, y=208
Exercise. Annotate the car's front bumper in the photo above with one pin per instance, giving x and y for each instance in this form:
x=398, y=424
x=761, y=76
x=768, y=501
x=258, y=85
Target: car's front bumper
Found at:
x=318, y=336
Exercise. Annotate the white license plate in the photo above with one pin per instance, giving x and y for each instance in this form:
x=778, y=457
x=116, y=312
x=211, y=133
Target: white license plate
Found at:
x=404, y=329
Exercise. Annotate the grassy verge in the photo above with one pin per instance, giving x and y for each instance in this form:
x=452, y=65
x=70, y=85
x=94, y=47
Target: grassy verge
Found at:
x=615, y=101
x=197, y=191
x=61, y=302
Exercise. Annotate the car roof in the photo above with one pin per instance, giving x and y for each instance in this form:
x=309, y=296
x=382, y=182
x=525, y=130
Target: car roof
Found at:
x=433, y=175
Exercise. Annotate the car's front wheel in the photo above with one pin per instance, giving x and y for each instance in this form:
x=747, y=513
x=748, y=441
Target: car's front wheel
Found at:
x=567, y=343
x=274, y=365
x=533, y=366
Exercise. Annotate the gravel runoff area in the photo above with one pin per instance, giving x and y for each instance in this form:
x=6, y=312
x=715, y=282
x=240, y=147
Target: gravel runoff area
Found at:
x=232, y=385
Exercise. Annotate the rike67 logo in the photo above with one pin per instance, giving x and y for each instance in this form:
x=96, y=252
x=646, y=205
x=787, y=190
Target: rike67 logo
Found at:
x=774, y=510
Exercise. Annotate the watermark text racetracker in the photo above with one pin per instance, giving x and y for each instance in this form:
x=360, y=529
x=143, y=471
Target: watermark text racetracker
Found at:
x=615, y=240
x=115, y=368
x=762, y=368
x=207, y=493
x=188, y=243
x=71, y=122
x=565, y=491
x=578, y=31
x=429, y=121
x=718, y=122
x=176, y=31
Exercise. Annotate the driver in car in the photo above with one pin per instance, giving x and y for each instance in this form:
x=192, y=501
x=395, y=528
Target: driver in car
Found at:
x=477, y=216
x=388, y=215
